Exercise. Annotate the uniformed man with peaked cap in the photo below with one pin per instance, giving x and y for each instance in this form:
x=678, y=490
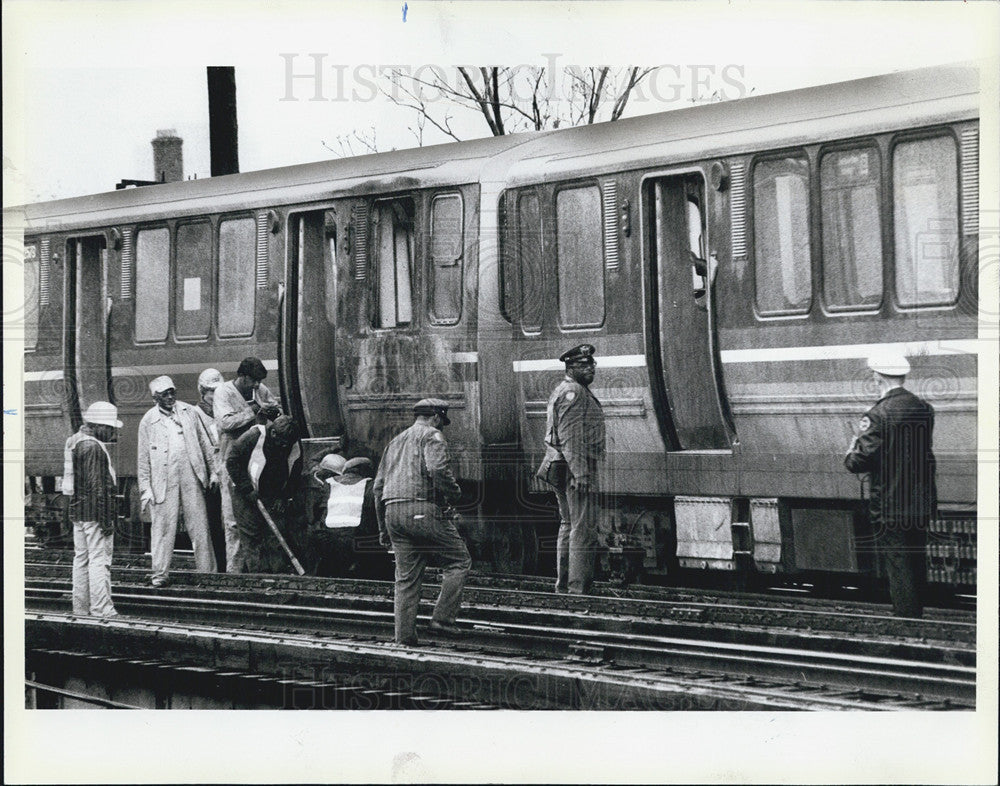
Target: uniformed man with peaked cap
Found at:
x=413, y=489
x=894, y=446
x=574, y=445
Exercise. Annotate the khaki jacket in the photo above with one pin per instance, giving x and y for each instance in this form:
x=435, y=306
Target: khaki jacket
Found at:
x=152, y=457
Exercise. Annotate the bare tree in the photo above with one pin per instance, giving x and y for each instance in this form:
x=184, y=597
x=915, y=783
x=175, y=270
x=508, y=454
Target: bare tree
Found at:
x=366, y=141
x=515, y=99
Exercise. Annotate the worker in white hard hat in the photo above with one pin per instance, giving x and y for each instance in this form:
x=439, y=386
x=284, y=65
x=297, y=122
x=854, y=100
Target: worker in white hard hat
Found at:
x=894, y=446
x=208, y=381
x=343, y=514
x=175, y=465
x=90, y=481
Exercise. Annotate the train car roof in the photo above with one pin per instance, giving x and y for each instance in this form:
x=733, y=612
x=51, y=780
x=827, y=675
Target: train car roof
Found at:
x=399, y=170
x=807, y=115
x=857, y=107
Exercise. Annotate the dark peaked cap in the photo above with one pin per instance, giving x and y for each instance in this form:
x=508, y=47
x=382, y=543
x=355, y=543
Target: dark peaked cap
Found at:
x=432, y=406
x=581, y=354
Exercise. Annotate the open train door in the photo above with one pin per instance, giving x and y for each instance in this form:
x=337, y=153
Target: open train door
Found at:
x=681, y=343
x=87, y=310
x=308, y=354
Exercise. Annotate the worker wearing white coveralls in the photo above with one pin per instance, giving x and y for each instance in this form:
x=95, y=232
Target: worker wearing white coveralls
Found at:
x=175, y=466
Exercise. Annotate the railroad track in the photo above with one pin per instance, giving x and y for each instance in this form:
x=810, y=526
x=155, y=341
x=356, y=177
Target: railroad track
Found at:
x=886, y=672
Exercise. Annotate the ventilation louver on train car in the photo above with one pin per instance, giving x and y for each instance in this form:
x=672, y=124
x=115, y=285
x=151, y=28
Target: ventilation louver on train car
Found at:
x=263, y=220
x=128, y=260
x=609, y=197
x=970, y=181
x=738, y=208
x=360, y=222
x=43, y=273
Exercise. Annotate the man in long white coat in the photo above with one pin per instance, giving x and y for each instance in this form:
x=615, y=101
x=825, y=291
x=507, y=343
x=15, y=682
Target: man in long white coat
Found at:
x=175, y=467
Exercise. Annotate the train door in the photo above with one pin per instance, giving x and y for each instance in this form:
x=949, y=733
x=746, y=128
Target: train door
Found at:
x=87, y=336
x=311, y=314
x=681, y=343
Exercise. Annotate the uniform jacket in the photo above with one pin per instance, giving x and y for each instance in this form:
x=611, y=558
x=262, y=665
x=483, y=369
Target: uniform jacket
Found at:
x=895, y=449
x=234, y=415
x=94, y=487
x=252, y=467
x=153, y=442
x=414, y=466
x=574, y=430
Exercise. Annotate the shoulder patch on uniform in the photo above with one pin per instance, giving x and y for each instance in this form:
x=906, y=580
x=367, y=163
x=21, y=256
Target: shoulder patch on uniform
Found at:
x=438, y=436
x=865, y=423
x=570, y=395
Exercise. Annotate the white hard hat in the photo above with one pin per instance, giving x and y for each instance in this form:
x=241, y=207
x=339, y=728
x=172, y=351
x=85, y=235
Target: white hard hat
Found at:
x=210, y=378
x=333, y=462
x=102, y=413
x=892, y=364
x=160, y=384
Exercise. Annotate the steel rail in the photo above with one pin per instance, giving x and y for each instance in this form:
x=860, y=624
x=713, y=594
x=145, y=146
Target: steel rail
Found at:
x=84, y=697
x=692, y=610
x=641, y=688
x=625, y=649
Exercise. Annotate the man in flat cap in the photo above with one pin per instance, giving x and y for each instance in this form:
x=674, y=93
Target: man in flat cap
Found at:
x=238, y=405
x=90, y=482
x=265, y=463
x=574, y=444
x=894, y=446
x=413, y=490
x=176, y=464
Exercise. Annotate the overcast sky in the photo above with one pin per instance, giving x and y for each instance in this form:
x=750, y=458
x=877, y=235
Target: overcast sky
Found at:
x=88, y=84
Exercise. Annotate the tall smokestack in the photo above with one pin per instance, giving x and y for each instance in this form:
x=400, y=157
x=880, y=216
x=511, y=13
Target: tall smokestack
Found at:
x=168, y=157
x=222, y=120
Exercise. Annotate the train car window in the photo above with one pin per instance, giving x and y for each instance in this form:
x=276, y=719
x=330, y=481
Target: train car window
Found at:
x=192, y=281
x=394, y=225
x=925, y=189
x=330, y=266
x=783, y=274
x=32, y=283
x=446, y=259
x=529, y=258
x=237, y=282
x=580, y=257
x=152, y=284
x=851, y=198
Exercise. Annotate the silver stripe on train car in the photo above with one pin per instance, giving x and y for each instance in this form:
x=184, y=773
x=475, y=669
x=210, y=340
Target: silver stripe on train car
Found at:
x=603, y=361
x=43, y=376
x=849, y=351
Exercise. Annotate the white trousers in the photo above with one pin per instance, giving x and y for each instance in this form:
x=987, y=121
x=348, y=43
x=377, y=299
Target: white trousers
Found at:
x=186, y=494
x=92, y=551
x=235, y=556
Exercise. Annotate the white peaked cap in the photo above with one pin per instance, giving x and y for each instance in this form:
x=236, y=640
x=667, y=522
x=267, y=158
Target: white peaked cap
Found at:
x=892, y=364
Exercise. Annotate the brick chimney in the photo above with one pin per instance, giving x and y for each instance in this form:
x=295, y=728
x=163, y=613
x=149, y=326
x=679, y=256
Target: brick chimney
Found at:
x=168, y=157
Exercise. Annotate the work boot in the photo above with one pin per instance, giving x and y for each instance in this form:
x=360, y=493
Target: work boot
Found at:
x=446, y=629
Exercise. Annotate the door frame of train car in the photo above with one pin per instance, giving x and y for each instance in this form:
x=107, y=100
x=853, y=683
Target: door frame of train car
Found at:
x=83, y=392
x=653, y=283
x=292, y=310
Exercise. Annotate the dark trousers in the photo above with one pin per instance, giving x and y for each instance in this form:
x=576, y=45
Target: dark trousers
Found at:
x=261, y=552
x=904, y=546
x=213, y=506
x=576, y=544
x=418, y=533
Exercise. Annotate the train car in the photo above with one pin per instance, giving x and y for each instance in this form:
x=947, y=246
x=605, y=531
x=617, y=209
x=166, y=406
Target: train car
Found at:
x=733, y=264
